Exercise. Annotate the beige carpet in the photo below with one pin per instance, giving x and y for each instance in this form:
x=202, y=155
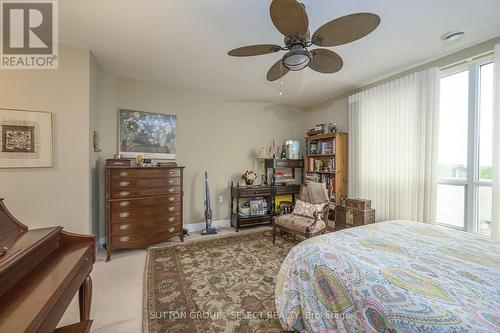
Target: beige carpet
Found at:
x=222, y=284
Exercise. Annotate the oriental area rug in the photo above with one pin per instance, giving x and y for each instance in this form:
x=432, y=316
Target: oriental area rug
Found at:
x=222, y=284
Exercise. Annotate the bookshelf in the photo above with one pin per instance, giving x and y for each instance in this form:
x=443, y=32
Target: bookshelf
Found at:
x=283, y=178
x=326, y=161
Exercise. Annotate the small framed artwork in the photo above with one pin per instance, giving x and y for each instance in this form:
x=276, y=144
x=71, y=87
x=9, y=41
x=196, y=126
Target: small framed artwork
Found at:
x=146, y=133
x=25, y=139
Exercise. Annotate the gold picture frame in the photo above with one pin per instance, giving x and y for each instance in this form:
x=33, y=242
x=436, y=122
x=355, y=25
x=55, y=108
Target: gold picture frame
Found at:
x=25, y=139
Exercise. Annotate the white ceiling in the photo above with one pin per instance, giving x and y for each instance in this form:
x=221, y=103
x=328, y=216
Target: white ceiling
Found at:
x=184, y=42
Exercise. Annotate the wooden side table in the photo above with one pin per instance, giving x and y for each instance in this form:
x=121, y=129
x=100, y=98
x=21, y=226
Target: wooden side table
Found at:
x=239, y=193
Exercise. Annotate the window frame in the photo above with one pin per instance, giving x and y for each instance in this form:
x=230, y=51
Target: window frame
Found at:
x=473, y=182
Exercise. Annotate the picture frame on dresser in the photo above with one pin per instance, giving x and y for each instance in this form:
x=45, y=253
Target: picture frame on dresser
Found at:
x=144, y=206
x=25, y=139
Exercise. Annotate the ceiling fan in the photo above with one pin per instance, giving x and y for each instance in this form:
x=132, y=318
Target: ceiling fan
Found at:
x=290, y=18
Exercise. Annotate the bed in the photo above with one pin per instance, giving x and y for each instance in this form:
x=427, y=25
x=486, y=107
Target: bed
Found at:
x=394, y=276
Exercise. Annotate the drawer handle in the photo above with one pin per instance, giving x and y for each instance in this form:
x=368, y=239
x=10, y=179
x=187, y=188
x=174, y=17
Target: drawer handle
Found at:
x=124, y=227
x=124, y=173
x=171, y=208
x=170, y=190
x=124, y=203
x=171, y=229
x=126, y=214
x=124, y=193
x=172, y=172
x=171, y=219
x=124, y=183
x=171, y=199
x=171, y=181
x=124, y=239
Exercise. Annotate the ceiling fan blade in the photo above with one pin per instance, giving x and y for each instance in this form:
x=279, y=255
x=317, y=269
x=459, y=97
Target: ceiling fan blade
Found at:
x=345, y=29
x=253, y=50
x=277, y=71
x=289, y=17
x=326, y=61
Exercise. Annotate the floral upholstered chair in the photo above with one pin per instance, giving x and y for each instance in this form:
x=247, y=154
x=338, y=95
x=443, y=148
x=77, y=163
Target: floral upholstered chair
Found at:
x=309, y=215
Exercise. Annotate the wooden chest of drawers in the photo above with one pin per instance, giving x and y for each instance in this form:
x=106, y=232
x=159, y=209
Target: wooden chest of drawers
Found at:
x=143, y=206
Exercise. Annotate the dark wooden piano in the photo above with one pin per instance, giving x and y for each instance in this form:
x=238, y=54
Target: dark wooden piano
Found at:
x=41, y=270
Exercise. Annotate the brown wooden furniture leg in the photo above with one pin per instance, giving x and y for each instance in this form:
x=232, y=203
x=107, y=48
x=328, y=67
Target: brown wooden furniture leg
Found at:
x=274, y=234
x=85, y=298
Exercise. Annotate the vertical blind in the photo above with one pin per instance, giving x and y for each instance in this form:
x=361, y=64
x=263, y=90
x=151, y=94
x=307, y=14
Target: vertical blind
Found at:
x=393, y=146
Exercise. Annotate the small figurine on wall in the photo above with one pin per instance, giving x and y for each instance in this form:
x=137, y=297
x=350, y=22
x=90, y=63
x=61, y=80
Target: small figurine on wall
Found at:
x=96, y=143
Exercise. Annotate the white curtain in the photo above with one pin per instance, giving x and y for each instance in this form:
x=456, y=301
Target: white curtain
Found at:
x=495, y=218
x=393, y=144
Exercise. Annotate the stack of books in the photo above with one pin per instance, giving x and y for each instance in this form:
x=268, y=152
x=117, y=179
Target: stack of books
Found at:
x=254, y=207
x=283, y=178
x=318, y=129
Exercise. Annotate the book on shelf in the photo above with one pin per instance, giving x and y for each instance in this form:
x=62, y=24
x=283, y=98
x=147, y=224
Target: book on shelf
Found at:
x=321, y=165
x=318, y=165
x=320, y=147
x=253, y=207
x=284, y=177
x=312, y=147
x=328, y=179
x=258, y=207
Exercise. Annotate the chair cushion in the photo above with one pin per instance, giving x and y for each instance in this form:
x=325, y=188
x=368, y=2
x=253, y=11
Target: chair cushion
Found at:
x=299, y=223
x=306, y=209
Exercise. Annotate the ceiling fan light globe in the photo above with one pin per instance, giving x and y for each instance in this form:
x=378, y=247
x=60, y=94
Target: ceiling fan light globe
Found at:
x=297, y=59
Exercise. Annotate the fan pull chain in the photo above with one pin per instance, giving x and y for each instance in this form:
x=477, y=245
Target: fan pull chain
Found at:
x=281, y=88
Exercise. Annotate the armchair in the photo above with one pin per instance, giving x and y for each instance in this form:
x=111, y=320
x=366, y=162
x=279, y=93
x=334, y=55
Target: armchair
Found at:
x=309, y=215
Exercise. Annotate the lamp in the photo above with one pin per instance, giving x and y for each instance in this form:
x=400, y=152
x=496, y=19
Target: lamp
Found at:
x=297, y=58
x=262, y=158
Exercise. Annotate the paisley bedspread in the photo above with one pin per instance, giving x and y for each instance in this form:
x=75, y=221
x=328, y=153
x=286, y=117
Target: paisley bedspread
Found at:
x=394, y=276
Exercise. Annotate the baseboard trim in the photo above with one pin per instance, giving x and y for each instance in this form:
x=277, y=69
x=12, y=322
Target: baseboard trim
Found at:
x=192, y=227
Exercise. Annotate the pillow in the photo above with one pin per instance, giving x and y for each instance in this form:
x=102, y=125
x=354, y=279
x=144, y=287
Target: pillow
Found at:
x=306, y=209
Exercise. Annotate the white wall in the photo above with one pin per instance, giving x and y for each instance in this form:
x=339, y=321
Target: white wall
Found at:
x=335, y=109
x=214, y=133
x=58, y=195
x=332, y=111
x=94, y=193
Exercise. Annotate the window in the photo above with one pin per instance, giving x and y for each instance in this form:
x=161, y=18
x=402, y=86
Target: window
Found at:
x=465, y=148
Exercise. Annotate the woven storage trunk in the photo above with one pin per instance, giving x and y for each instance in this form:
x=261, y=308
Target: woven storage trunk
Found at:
x=346, y=217
x=362, y=204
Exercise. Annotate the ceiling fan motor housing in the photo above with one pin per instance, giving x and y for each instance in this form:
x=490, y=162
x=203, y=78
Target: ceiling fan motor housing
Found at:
x=297, y=58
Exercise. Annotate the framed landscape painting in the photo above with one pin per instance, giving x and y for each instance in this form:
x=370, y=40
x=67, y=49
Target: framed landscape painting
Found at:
x=25, y=139
x=148, y=134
